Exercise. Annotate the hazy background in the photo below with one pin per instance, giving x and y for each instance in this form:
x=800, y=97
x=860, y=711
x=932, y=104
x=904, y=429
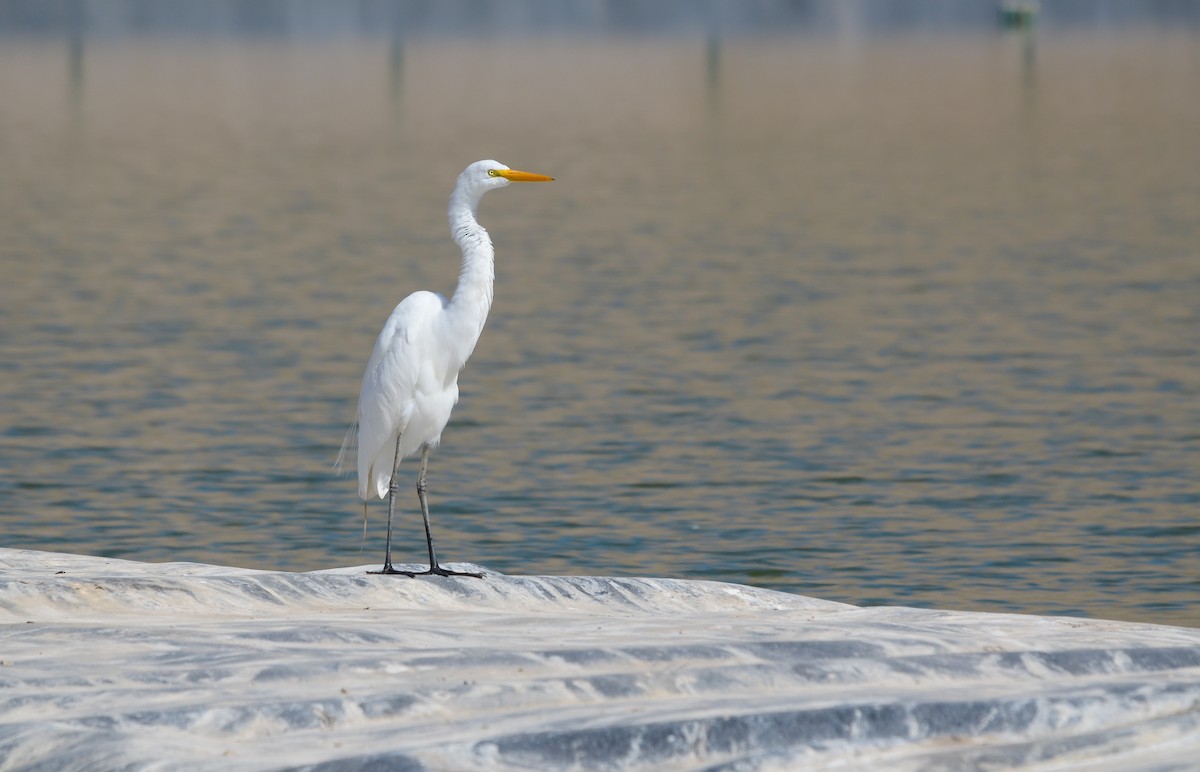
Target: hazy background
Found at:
x=880, y=302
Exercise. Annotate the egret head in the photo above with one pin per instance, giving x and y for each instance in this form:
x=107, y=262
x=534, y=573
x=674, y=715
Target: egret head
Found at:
x=482, y=176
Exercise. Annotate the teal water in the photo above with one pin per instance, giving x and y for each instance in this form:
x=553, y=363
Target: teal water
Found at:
x=903, y=320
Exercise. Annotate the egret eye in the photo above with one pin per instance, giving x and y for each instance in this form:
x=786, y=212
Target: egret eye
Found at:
x=491, y=172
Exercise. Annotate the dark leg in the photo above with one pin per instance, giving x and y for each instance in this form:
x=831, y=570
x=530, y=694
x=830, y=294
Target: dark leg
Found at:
x=434, y=567
x=392, y=486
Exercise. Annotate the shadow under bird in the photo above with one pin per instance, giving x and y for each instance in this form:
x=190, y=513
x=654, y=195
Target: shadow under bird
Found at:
x=411, y=382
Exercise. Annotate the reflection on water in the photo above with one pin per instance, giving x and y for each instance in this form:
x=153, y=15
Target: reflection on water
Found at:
x=901, y=321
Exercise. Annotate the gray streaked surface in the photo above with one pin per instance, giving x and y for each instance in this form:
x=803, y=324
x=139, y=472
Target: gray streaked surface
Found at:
x=120, y=664
x=890, y=320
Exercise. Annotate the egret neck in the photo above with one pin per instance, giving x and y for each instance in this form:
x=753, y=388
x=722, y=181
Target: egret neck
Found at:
x=468, y=308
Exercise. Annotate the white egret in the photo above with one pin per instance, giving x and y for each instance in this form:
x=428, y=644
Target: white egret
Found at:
x=411, y=382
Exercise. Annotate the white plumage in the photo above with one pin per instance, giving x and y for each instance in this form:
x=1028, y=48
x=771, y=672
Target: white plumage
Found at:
x=409, y=388
x=410, y=385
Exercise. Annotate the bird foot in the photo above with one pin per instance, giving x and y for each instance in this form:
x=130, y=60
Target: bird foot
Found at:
x=434, y=570
x=388, y=570
x=437, y=570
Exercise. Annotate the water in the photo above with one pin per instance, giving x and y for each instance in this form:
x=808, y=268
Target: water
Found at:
x=903, y=319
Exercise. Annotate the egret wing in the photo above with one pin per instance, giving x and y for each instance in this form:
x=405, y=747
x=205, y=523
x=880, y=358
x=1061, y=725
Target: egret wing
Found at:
x=386, y=401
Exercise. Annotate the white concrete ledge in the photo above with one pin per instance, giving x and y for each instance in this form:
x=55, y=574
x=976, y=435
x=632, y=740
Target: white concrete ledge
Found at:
x=110, y=664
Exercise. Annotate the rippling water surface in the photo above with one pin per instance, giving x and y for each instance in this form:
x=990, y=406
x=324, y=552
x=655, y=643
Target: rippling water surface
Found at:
x=904, y=320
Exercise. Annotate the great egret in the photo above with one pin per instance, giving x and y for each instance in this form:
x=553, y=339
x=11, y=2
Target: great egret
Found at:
x=411, y=382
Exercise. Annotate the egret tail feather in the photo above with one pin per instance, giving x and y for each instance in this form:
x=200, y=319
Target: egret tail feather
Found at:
x=351, y=441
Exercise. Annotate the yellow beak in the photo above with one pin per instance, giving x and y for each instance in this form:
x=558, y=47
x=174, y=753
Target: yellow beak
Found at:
x=512, y=175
